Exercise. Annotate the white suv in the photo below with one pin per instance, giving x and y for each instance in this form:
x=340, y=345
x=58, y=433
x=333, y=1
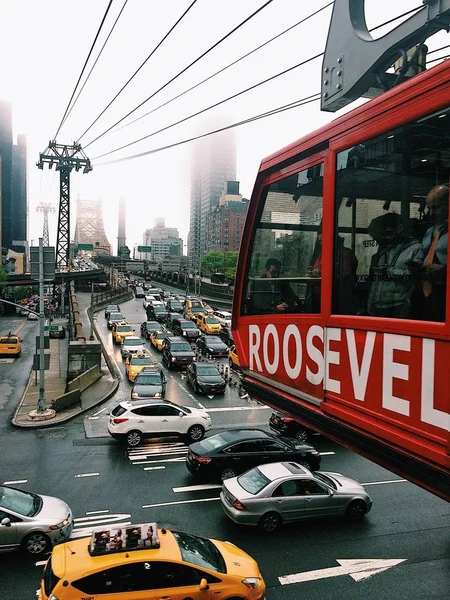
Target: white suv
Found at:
x=135, y=421
x=223, y=316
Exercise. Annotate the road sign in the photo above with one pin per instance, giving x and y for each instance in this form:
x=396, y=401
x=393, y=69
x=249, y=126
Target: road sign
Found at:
x=144, y=248
x=36, y=366
x=85, y=246
x=46, y=342
x=49, y=262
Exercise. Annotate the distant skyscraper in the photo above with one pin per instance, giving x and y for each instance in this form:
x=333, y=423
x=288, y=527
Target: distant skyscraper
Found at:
x=164, y=241
x=213, y=163
x=225, y=223
x=121, y=236
x=6, y=156
x=19, y=189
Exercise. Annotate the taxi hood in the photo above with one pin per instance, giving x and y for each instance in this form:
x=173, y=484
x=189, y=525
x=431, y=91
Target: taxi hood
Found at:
x=237, y=561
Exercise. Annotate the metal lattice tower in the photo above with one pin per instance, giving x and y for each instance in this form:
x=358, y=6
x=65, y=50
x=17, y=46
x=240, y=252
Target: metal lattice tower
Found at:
x=89, y=228
x=45, y=208
x=65, y=158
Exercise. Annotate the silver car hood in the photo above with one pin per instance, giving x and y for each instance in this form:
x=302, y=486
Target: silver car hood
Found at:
x=346, y=485
x=53, y=510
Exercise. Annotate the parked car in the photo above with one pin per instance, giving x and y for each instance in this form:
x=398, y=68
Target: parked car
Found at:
x=223, y=316
x=148, y=327
x=115, y=317
x=226, y=335
x=144, y=418
x=135, y=363
x=185, y=328
x=111, y=308
x=31, y=521
x=212, y=344
x=231, y=452
x=177, y=352
x=150, y=383
x=283, y=492
x=174, y=305
x=209, y=324
x=157, y=313
x=288, y=427
x=157, y=338
x=233, y=358
x=131, y=345
x=205, y=378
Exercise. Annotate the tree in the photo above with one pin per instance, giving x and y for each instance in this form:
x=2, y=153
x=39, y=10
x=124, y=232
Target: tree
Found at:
x=220, y=262
x=3, y=275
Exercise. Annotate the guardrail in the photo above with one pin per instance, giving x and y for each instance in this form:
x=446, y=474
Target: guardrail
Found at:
x=75, y=315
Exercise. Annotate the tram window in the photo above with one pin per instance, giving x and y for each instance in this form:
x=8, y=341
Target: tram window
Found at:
x=284, y=272
x=392, y=198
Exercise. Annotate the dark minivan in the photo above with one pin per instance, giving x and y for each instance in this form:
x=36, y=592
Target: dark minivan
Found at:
x=185, y=328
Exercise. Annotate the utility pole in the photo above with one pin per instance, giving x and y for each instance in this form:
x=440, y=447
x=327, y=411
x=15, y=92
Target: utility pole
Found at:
x=42, y=405
x=65, y=158
x=46, y=208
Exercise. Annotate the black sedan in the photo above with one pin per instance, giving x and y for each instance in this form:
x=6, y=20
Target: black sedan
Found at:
x=111, y=308
x=284, y=425
x=157, y=313
x=225, y=335
x=150, y=383
x=212, y=344
x=205, y=378
x=148, y=327
x=235, y=451
x=174, y=305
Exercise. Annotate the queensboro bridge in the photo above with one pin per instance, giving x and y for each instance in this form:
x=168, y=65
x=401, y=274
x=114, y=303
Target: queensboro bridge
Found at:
x=89, y=227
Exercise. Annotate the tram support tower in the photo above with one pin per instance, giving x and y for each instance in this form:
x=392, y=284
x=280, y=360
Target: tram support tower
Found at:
x=45, y=208
x=65, y=158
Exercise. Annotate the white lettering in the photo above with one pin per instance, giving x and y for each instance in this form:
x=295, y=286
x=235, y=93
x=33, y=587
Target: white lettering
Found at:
x=271, y=367
x=292, y=331
x=315, y=355
x=394, y=370
x=429, y=414
x=254, y=342
x=360, y=377
x=332, y=358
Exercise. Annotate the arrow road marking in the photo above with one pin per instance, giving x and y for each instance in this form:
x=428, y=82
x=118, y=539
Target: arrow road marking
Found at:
x=358, y=569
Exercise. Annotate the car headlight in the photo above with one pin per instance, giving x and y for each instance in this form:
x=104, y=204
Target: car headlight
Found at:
x=60, y=525
x=251, y=582
x=184, y=332
x=157, y=395
x=134, y=395
x=211, y=349
x=173, y=359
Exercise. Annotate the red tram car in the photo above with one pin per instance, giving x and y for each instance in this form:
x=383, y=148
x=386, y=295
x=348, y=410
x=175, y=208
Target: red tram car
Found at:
x=341, y=315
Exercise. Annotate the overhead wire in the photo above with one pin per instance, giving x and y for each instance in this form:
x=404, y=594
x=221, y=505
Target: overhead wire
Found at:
x=241, y=24
x=225, y=68
x=96, y=61
x=252, y=87
x=279, y=109
x=84, y=66
x=137, y=70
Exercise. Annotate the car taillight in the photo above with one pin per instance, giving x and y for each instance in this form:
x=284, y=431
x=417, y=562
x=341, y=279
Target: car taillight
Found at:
x=118, y=421
x=203, y=461
x=238, y=505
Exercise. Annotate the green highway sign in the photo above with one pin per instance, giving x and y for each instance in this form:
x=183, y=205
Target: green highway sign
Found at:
x=85, y=246
x=144, y=248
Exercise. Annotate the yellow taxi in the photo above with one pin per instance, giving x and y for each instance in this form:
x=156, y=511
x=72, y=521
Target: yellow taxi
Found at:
x=10, y=344
x=136, y=362
x=132, y=562
x=121, y=331
x=209, y=324
x=233, y=358
x=157, y=338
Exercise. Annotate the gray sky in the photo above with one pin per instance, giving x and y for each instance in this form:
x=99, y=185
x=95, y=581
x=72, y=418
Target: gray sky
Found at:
x=43, y=48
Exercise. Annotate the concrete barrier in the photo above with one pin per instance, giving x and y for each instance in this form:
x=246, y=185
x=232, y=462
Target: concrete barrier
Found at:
x=66, y=400
x=84, y=380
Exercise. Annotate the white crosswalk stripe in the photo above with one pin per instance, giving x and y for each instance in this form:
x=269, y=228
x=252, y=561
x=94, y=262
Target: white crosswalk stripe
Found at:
x=83, y=526
x=164, y=452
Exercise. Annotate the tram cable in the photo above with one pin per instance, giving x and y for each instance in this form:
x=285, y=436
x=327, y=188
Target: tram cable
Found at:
x=137, y=70
x=96, y=61
x=84, y=66
x=246, y=20
x=266, y=43
x=279, y=109
x=196, y=114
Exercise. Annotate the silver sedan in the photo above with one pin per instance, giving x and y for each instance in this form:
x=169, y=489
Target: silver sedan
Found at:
x=283, y=492
x=31, y=521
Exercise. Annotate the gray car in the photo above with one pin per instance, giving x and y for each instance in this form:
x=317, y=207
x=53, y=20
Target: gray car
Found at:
x=283, y=492
x=131, y=345
x=31, y=521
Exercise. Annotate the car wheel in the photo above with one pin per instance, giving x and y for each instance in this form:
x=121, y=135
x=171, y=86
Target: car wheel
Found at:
x=227, y=473
x=134, y=438
x=300, y=434
x=36, y=543
x=269, y=522
x=195, y=433
x=355, y=511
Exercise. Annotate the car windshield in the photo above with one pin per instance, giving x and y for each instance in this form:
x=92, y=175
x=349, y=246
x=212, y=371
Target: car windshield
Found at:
x=325, y=479
x=161, y=335
x=200, y=552
x=142, y=360
x=113, y=307
x=8, y=341
x=197, y=309
x=20, y=502
x=124, y=328
x=188, y=325
x=159, y=309
x=180, y=347
x=207, y=370
x=116, y=316
x=214, y=340
x=152, y=325
x=175, y=304
x=253, y=481
x=151, y=379
x=212, y=321
x=129, y=342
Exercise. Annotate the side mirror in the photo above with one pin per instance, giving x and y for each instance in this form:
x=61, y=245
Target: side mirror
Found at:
x=181, y=414
x=6, y=522
x=203, y=585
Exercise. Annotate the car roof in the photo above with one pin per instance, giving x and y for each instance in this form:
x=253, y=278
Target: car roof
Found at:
x=131, y=338
x=279, y=470
x=176, y=339
x=240, y=435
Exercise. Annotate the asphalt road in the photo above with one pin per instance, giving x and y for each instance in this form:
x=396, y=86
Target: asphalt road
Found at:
x=104, y=482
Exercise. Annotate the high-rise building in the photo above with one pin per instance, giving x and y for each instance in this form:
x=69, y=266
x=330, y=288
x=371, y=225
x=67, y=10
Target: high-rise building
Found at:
x=225, y=223
x=164, y=241
x=213, y=163
x=14, y=182
x=121, y=234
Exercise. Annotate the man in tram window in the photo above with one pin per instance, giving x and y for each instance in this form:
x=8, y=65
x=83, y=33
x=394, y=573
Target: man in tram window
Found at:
x=282, y=297
x=429, y=266
x=391, y=283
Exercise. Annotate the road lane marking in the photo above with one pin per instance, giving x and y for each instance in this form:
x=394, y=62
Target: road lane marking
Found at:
x=167, y=453
x=93, y=418
x=40, y=563
x=327, y=453
x=180, y=502
x=100, y=519
x=153, y=468
x=16, y=481
x=234, y=408
x=142, y=448
x=100, y=411
x=167, y=460
x=79, y=533
x=382, y=482
x=196, y=488
x=87, y=475
x=17, y=329
x=96, y=512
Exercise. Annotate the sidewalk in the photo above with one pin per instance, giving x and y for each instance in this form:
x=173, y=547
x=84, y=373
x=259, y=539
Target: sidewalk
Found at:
x=55, y=381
